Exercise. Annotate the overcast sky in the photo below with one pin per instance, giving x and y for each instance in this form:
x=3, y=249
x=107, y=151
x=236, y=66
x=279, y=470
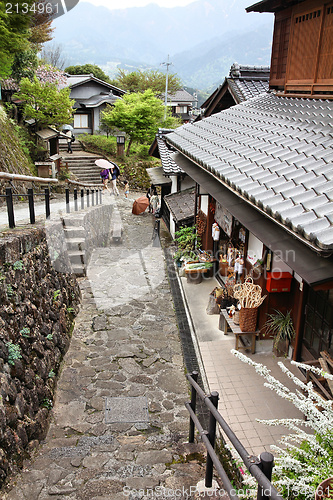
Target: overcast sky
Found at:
x=115, y=4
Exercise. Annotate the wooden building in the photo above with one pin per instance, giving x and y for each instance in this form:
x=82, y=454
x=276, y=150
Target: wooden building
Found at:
x=263, y=171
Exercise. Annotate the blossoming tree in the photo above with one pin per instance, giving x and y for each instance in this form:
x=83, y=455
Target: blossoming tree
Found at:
x=305, y=457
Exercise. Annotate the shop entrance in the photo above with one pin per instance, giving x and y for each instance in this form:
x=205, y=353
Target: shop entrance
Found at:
x=319, y=322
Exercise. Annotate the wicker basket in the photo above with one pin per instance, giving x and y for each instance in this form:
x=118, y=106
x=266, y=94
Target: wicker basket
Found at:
x=236, y=318
x=248, y=319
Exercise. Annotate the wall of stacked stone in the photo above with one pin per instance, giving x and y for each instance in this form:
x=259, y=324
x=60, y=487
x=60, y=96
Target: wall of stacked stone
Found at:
x=38, y=304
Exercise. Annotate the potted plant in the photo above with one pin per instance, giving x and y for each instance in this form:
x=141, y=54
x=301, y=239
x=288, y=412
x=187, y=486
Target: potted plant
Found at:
x=281, y=326
x=325, y=489
x=186, y=239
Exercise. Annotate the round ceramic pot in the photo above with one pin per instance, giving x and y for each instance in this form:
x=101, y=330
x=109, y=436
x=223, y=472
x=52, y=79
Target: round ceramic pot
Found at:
x=325, y=489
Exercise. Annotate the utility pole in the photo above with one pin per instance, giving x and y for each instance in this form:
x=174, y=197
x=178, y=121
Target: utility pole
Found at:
x=167, y=64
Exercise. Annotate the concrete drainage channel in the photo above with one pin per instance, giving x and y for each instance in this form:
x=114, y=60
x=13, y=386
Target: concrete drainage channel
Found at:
x=190, y=353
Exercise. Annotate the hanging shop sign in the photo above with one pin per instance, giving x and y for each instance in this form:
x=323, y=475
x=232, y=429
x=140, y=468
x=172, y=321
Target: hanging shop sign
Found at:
x=224, y=218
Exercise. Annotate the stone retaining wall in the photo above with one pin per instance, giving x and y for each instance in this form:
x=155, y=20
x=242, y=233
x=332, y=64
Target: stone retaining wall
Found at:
x=37, y=308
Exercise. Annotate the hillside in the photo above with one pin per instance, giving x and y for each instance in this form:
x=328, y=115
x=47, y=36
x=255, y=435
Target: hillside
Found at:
x=142, y=37
x=12, y=158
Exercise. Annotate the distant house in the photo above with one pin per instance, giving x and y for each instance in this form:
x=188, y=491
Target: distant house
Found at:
x=91, y=96
x=242, y=83
x=182, y=104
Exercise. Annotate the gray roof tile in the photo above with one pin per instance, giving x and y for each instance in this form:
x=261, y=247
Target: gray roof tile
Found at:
x=304, y=196
x=324, y=210
x=284, y=144
x=314, y=227
x=315, y=203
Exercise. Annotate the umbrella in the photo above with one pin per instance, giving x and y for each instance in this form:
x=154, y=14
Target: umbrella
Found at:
x=67, y=127
x=102, y=163
x=140, y=205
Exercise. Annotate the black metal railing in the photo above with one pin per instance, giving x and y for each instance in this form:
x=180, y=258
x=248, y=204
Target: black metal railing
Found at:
x=260, y=468
x=30, y=195
x=90, y=195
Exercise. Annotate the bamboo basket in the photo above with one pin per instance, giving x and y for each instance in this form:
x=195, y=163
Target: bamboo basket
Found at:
x=248, y=319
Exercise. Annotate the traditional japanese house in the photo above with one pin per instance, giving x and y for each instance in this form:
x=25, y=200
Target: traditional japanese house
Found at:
x=91, y=95
x=265, y=166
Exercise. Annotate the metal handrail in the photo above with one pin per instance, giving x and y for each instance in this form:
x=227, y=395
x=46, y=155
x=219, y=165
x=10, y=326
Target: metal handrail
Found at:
x=256, y=467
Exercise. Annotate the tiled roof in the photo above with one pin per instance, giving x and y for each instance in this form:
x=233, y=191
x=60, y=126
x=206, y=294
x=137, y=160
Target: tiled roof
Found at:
x=170, y=167
x=9, y=84
x=181, y=204
x=245, y=89
x=75, y=80
x=276, y=153
x=97, y=100
x=180, y=96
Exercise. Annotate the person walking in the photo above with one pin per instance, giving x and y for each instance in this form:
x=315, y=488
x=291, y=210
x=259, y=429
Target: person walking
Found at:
x=69, y=141
x=126, y=189
x=105, y=174
x=149, y=194
x=154, y=201
x=114, y=171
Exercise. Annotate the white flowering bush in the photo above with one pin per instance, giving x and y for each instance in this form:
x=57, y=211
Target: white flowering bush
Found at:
x=305, y=457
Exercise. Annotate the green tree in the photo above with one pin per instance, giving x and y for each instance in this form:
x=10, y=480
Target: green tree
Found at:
x=139, y=81
x=45, y=103
x=88, y=69
x=14, y=33
x=139, y=115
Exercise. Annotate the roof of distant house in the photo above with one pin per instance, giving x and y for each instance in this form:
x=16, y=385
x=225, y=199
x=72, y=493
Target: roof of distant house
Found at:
x=276, y=153
x=182, y=97
x=243, y=82
x=160, y=149
x=181, y=204
x=75, y=80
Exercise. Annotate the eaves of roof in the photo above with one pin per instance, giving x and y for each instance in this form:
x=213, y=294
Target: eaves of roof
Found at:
x=170, y=167
x=77, y=80
x=276, y=153
x=272, y=5
x=314, y=270
x=181, y=204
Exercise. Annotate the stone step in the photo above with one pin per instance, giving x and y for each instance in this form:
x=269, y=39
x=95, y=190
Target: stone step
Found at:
x=77, y=257
x=90, y=169
x=74, y=232
x=79, y=269
x=76, y=244
x=69, y=221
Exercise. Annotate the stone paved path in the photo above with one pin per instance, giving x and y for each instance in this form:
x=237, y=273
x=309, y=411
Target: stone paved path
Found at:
x=125, y=345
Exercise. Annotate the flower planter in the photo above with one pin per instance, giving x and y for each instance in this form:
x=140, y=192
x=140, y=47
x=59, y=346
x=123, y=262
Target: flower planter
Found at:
x=325, y=489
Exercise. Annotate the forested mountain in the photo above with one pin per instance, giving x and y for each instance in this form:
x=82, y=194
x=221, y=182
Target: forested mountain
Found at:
x=203, y=38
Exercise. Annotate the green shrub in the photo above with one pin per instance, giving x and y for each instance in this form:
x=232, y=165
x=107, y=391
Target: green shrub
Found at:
x=14, y=352
x=99, y=143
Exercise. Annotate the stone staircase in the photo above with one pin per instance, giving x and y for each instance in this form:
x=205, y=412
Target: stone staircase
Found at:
x=80, y=163
x=76, y=244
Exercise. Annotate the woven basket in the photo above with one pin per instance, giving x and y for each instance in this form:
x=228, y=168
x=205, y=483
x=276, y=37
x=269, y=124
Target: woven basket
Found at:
x=236, y=318
x=248, y=319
